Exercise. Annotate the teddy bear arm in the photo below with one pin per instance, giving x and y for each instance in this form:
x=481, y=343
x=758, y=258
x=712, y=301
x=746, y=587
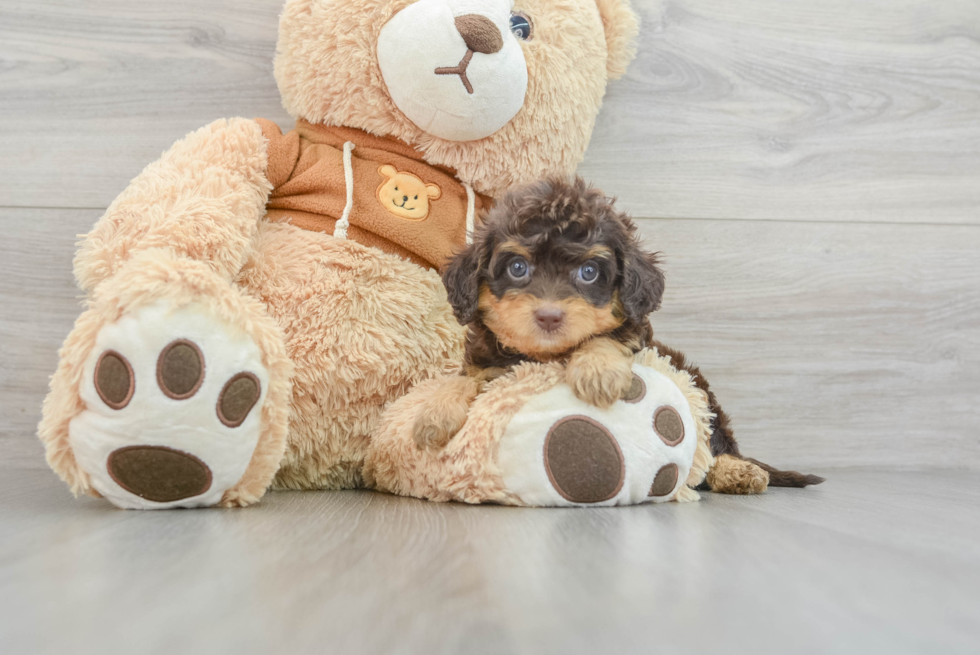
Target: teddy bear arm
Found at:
x=201, y=200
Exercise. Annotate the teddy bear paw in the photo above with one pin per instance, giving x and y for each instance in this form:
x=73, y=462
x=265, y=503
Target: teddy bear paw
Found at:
x=173, y=402
x=558, y=450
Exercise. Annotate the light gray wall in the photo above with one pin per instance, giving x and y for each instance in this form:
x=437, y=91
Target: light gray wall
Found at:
x=811, y=172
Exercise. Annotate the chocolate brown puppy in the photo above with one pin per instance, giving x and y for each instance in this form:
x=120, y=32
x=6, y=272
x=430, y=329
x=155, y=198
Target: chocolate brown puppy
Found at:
x=557, y=273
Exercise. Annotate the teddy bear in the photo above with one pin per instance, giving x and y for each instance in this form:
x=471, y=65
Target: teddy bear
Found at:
x=254, y=299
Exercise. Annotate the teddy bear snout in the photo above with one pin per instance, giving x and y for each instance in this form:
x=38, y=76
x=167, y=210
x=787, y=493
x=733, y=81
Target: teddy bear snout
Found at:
x=479, y=33
x=453, y=67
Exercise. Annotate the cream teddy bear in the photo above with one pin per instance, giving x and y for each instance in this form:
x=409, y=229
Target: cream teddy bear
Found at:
x=254, y=299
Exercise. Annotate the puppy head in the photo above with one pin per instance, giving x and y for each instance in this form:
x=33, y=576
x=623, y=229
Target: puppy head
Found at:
x=553, y=264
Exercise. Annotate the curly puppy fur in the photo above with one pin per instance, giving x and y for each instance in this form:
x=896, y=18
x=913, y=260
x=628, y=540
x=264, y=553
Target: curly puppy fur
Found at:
x=557, y=274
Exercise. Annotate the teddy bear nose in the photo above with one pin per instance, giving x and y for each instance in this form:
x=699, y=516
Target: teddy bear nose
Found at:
x=405, y=198
x=549, y=319
x=479, y=33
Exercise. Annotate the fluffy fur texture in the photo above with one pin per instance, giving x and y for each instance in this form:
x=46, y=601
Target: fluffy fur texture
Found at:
x=732, y=475
x=162, y=275
x=578, y=45
x=441, y=413
x=598, y=372
x=551, y=230
x=362, y=327
x=521, y=288
x=203, y=198
x=357, y=326
x=467, y=470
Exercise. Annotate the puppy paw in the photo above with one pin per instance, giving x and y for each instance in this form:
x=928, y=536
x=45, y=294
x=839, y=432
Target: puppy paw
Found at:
x=444, y=413
x=731, y=475
x=600, y=372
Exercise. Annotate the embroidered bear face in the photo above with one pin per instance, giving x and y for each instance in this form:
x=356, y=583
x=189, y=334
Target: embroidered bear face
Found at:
x=406, y=195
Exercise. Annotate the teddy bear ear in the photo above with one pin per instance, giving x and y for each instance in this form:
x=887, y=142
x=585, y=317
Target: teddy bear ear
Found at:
x=388, y=171
x=622, y=26
x=434, y=191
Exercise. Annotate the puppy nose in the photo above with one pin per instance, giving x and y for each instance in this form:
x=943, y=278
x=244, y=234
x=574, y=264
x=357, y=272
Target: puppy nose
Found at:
x=549, y=319
x=479, y=33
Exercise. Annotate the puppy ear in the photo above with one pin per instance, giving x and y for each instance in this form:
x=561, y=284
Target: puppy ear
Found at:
x=462, y=279
x=643, y=282
x=621, y=26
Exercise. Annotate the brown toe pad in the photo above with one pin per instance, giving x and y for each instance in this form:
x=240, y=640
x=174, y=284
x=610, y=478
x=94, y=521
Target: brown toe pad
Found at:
x=114, y=380
x=668, y=425
x=637, y=390
x=180, y=369
x=664, y=482
x=237, y=399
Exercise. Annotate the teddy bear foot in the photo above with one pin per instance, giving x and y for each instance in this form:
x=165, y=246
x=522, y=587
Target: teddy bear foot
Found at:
x=173, y=402
x=558, y=450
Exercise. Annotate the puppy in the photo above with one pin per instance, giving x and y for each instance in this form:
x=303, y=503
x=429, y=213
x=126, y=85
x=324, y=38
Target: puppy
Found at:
x=557, y=273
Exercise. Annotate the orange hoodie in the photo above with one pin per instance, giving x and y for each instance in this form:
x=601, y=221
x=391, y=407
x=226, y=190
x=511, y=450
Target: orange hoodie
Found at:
x=401, y=204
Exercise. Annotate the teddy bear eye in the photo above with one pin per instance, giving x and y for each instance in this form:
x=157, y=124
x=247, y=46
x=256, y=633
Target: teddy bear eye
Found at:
x=520, y=25
x=416, y=197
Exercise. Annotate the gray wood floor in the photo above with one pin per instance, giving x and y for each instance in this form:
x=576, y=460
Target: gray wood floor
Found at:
x=811, y=173
x=870, y=562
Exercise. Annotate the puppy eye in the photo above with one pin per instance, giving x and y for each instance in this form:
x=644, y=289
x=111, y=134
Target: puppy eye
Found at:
x=520, y=25
x=518, y=269
x=588, y=272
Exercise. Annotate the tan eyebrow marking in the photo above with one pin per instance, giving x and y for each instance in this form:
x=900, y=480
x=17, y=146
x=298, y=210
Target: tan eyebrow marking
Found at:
x=515, y=248
x=599, y=252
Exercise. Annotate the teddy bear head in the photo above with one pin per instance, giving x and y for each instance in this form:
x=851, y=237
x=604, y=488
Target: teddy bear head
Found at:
x=501, y=91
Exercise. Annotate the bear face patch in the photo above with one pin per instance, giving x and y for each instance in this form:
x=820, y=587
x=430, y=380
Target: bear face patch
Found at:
x=405, y=195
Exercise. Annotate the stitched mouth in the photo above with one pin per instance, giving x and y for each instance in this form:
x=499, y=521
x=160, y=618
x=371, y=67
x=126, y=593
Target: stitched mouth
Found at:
x=460, y=70
x=402, y=206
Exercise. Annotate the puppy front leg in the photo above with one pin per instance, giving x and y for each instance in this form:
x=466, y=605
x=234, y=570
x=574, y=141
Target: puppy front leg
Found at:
x=600, y=371
x=442, y=414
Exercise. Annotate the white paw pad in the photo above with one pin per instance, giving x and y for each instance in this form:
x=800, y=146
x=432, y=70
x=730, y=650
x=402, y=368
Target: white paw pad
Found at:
x=173, y=402
x=558, y=450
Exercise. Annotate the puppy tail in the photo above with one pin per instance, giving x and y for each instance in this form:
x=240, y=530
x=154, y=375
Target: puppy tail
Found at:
x=779, y=478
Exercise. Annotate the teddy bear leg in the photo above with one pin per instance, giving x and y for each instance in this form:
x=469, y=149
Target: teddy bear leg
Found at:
x=172, y=390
